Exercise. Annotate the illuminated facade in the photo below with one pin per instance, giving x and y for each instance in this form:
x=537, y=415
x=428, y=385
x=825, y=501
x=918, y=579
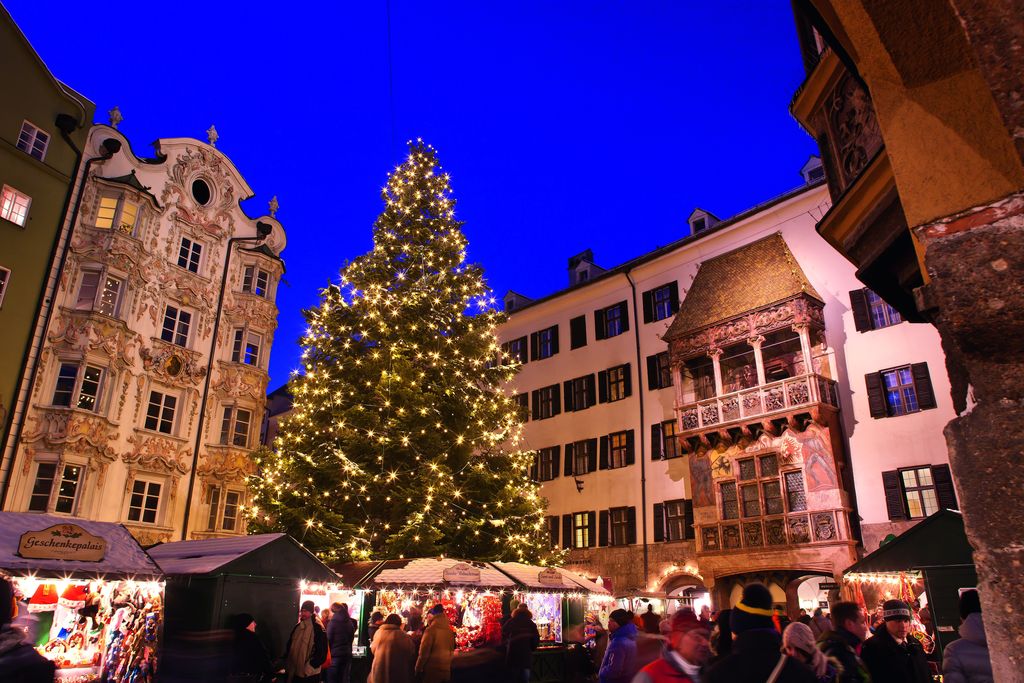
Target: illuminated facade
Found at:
x=703, y=415
x=151, y=382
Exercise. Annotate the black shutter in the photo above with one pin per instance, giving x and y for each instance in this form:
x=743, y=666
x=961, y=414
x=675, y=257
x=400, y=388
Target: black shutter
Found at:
x=558, y=400
x=624, y=315
x=554, y=339
x=599, y=326
x=570, y=396
x=604, y=453
x=673, y=295
x=655, y=441
x=944, y=490
x=570, y=449
x=556, y=457
x=591, y=518
x=602, y=386
x=591, y=390
x=628, y=382
x=630, y=446
x=591, y=455
x=535, y=346
x=535, y=467
x=659, y=522
x=861, y=311
x=567, y=531
x=923, y=386
x=553, y=530
x=631, y=526
x=578, y=332
x=536, y=403
x=602, y=528
x=653, y=376
x=893, y=495
x=648, y=297
x=688, y=520
x=876, y=395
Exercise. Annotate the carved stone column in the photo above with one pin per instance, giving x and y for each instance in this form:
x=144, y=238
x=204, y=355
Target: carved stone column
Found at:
x=804, y=330
x=755, y=343
x=976, y=264
x=716, y=354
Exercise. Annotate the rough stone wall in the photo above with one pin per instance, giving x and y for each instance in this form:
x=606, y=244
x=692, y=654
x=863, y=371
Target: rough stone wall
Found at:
x=625, y=565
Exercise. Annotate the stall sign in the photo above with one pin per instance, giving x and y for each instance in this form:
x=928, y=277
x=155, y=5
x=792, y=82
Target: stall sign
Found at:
x=550, y=577
x=828, y=586
x=62, y=542
x=461, y=573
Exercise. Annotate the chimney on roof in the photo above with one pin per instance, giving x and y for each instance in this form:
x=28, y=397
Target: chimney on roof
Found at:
x=582, y=268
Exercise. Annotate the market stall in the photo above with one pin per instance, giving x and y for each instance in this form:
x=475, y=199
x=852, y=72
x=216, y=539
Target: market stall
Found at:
x=89, y=595
x=927, y=566
x=211, y=580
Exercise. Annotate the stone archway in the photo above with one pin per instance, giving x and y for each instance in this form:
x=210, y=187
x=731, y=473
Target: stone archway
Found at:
x=687, y=590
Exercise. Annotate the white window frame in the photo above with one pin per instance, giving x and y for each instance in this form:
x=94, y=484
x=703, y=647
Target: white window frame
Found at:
x=581, y=530
x=250, y=281
x=117, y=218
x=217, y=502
x=194, y=252
x=5, y=279
x=29, y=146
x=97, y=302
x=241, y=338
x=176, y=328
x=8, y=207
x=229, y=426
x=76, y=393
x=60, y=472
x=147, y=481
x=161, y=409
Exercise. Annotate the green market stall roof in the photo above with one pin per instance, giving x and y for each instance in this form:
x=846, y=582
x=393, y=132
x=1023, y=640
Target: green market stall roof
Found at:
x=938, y=541
x=266, y=555
x=56, y=546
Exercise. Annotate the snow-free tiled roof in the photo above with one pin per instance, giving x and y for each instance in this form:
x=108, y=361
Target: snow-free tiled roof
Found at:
x=123, y=557
x=207, y=555
x=430, y=571
x=529, y=576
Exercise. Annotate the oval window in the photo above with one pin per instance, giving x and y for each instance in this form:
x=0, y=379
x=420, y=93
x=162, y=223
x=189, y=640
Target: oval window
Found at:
x=201, y=191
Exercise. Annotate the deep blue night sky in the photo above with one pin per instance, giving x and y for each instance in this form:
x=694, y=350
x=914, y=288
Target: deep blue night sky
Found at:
x=564, y=125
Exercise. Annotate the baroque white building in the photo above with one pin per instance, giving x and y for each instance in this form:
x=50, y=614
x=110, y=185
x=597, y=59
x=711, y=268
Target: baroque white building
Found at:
x=795, y=420
x=151, y=379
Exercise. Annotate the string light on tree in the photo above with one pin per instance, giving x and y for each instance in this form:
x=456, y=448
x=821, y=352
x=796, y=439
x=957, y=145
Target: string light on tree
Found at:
x=402, y=441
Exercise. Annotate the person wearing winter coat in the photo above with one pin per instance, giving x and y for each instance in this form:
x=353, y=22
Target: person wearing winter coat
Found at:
x=892, y=655
x=520, y=638
x=619, y=662
x=798, y=643
x=393, y=653
x=650, y=620
x=842, y=644
x=437, y=647
x=820, y=624
x=966, y=660
x=306, y=650
x=19, y=661
x=683, y=656
x=756, y=649
x=341, y=631
x=250, y=661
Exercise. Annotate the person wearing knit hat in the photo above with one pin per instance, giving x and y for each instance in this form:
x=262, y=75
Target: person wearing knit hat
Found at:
x=798, y=643
x=619, y=662
x=892, y=655
x=685, y=653
x=18, y=660
x=306, y=650
x=757, y=646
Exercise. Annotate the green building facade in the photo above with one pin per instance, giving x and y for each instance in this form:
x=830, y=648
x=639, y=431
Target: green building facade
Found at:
x=43, y=124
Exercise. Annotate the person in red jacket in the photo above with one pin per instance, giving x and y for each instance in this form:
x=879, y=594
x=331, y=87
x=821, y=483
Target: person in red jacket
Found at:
x=683, y=656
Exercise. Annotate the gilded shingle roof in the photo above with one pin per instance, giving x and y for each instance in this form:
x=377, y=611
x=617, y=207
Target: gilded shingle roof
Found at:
x=755, y=275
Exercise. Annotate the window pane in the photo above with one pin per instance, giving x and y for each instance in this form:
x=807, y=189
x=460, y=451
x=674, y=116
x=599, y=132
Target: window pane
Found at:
x=247, y=278
x=153, y=410
x=89, y=395
x=184, y=320
x=129, y=214
x=772, y=498
x=914, y=504
x=769, y=466
x=909, y=478
x=65, y=386
x=231, y=501
x=105, y=212
x=225, y=425
x=87, y=290
x=262, y=279
x=184, y=251
x=67, y=489
x=924, y=476
x=730, y=509
x=45, y=474
x=241, y=437
x=795, y=492
x=929, y=501
x=747, y=470
x=236, y=347
x=751, y=501
x=214, y=500
x=170, y=324
x=108, y=299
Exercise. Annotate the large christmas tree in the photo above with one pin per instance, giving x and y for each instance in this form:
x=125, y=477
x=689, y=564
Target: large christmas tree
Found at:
x=402, y=442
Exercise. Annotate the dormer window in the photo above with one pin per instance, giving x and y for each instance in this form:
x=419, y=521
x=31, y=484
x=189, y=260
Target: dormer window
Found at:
x=813, y=171
x=699, y=224
x=700, y=220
